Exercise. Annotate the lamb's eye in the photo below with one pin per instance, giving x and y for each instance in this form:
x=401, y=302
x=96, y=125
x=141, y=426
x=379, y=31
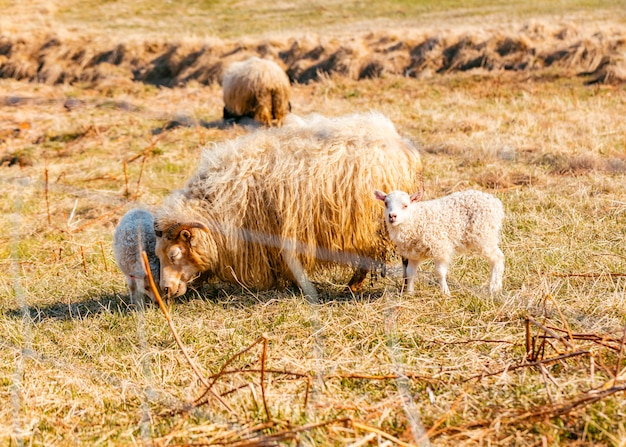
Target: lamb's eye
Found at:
x=405, y=207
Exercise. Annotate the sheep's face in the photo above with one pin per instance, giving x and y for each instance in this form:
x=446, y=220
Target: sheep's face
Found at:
x=396, y=205
x=179, y=261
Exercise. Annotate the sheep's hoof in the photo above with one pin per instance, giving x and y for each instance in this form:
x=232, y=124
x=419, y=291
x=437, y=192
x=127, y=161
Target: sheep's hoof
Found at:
x=356, y=282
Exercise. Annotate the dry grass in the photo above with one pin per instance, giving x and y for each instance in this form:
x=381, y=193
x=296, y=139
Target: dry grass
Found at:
x=79, y=365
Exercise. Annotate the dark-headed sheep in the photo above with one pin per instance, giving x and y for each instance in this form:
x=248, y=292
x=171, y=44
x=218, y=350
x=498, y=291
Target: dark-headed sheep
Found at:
x=258, y=89
x=300, y=192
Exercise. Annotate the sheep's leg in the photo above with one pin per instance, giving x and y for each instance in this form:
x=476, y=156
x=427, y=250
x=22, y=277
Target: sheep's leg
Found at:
x=441, y=269
x=410, y=270
x=356, y=282
x=496, y=260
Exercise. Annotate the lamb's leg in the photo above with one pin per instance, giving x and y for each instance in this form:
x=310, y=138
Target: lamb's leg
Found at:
x=405, y=263
x=135, y=289
x=496, y=260
x=410, y=271
x=441, y=269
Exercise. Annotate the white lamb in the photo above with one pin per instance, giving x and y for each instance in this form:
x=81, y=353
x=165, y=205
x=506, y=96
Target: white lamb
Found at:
x=134, y=233
x=436, y=229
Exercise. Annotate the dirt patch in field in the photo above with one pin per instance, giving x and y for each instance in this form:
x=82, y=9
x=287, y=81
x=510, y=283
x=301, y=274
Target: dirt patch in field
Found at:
x=564, y=50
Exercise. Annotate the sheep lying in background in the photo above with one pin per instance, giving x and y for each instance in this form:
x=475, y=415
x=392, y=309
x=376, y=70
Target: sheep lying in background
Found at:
x=264, y=200
x=436, y=229
x=256, y=88
x=134, y=234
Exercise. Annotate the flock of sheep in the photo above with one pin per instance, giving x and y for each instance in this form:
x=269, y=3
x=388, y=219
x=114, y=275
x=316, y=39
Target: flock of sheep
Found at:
x=303, y=192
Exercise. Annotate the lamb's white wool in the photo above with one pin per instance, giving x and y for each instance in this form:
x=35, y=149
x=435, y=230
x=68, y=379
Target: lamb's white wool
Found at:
x=437, y=229
x=256, y=88
x=134, y=234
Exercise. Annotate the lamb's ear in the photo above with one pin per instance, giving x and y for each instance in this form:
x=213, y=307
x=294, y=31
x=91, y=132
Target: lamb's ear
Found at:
x=416, y=197
x=380, y=195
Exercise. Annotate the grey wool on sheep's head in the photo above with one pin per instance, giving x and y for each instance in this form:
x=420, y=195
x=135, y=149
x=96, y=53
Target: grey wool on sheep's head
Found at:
x=258, y=89
x=300, y=192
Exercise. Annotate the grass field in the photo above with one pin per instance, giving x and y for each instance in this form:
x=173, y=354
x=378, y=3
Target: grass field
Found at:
x=540, y=364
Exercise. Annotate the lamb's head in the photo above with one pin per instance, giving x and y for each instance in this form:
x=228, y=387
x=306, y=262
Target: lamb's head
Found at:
x=182, y=249
x=396, y=205
x=139, y=282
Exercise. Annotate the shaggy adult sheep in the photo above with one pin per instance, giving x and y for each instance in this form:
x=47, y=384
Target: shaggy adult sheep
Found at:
x=256, y=88
x=301, y=192
x=134, y=234
x=436, y=229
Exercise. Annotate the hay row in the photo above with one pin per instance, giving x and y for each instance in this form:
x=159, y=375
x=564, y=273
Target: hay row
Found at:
x=565, y=49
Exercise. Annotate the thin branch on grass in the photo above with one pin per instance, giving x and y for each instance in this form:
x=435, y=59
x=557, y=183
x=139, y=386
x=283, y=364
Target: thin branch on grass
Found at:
x=539, y=412
x=201, y=399
x=263, y=358
x=106, y=268
x=472, y=340
x=82, y=255
x=137, y=188
x=166, y=313
x=527, y=365
x=563, y=320
x=47, y=200
x=566, y=407
x=258, y=370
x=378, y=431
x=551, y=332
x=265, y=440
x=126, y=192
x=587, y=275
x=529, y=344
x=619, y=358
x=408, y=375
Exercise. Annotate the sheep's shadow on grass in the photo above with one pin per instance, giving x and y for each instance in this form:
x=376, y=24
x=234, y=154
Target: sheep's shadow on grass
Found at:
x=233, y=295
x=110, y=303
x=221, y=124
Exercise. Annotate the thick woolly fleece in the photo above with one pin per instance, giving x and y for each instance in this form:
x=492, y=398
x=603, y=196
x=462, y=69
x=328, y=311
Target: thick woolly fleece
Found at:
x=305, y=188
x=256, y=88
x=437, y=229
x=134, y=233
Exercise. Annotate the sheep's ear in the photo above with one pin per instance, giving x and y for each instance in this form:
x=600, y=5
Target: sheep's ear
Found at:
x=185, y=235
x=416, y=197
x=380, y=195
x=157, y=231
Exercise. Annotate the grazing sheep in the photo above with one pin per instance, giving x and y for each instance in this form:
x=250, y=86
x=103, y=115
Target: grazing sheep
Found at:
x=256, y=88
x=300, y=192
x=134, y=234
x=436, y=229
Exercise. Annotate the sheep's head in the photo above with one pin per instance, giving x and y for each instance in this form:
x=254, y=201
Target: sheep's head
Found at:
x=182, y=250
x=396, y=205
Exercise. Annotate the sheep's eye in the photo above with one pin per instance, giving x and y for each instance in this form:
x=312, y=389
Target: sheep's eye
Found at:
x=405, y=207
x=174, y=255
